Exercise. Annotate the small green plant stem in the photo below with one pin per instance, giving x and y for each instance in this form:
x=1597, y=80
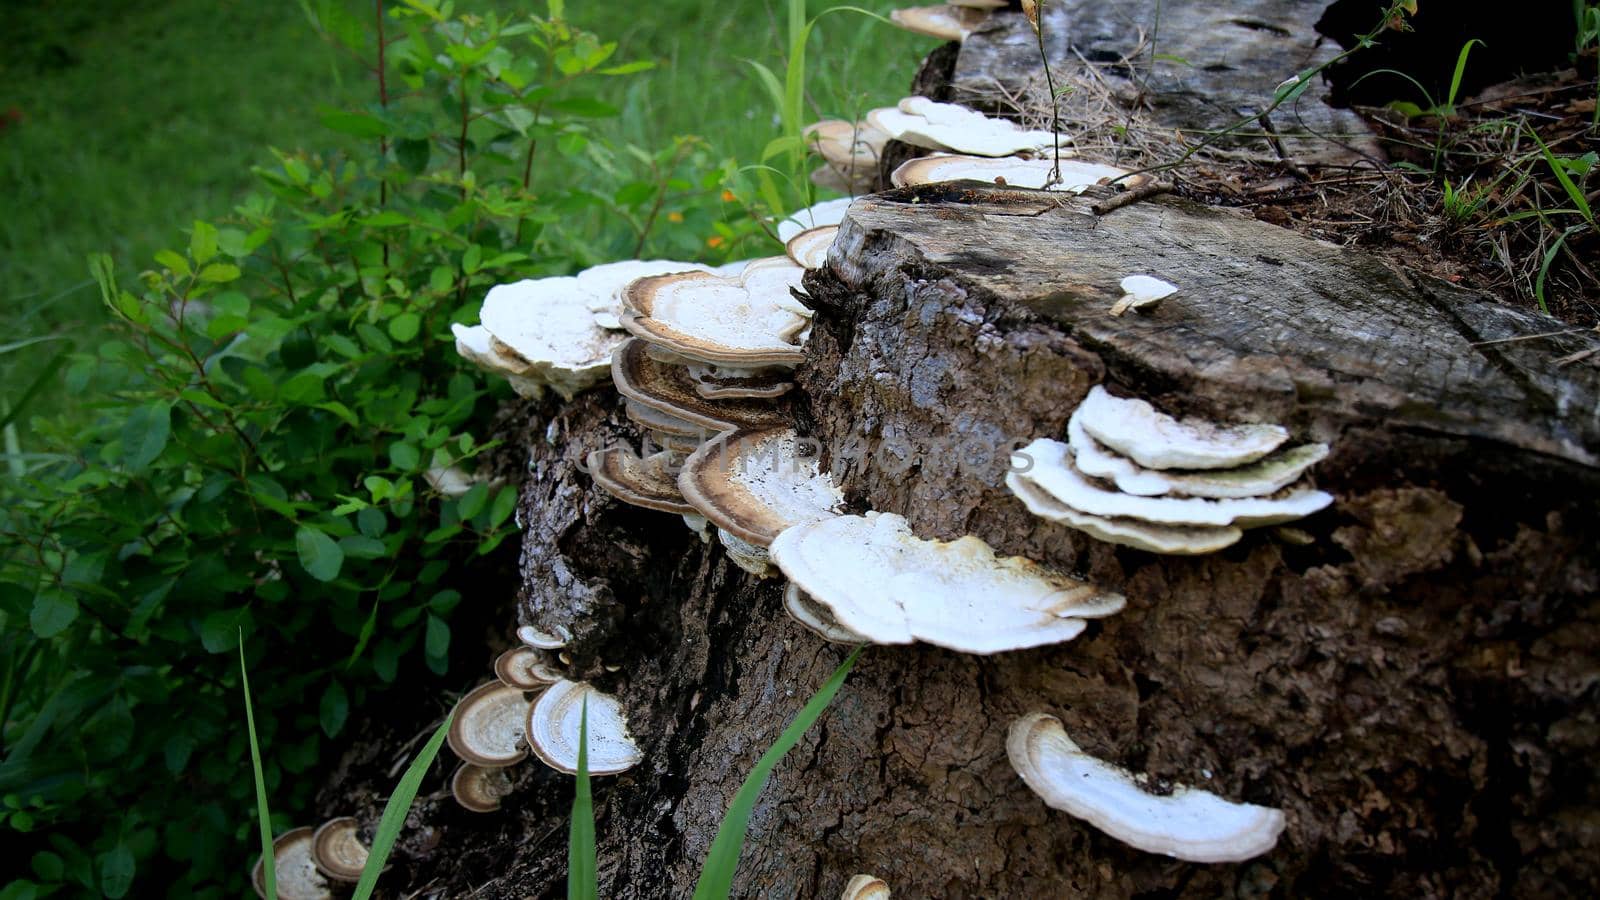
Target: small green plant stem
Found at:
x=1055, y=101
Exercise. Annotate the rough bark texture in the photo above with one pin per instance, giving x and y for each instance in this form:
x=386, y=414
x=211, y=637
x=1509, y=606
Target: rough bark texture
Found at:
x=1415, y=686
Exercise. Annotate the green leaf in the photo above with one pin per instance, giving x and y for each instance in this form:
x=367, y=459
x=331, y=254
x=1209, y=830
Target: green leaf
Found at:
x=585, y=107
x=716, y=879
x=472, y=259
x=334, y=709
x=145, y=434
x=203, y=242
x=219, y=273
x=173, y=261
x=394, y=813
x=472, y=502
x=52, y=612
x=353, y=123
x=319, y=554
x=263, y=817
x=583, y=882
x=405, y=326
x=436, y=644
x=505, y=503
x=412, y=155
x=404, y=456
x=116, y=871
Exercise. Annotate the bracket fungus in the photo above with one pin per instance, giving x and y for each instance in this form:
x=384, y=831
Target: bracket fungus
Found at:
x=651, y=483
x=1011, y=171
x=816, y=618
x=1141, y=292
x=525, y=668
x=828, y=212
x=880, y=580
x=553, y=723
x=945, y=126
x=749, y=321
x=715, y=382
x=479, y=789
x=754, y=484
x=809, y=248
x=1177, y=540
x=948, y=22
x=750, y=557
x=540, y=639
x=1188, y=824
x=487, y=728
x=337, y=850
x=865, y=887
x=670, y=389
x=1155, y=440
x=294, y=872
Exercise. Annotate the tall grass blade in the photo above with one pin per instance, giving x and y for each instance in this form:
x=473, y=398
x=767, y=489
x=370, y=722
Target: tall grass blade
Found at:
x=1574, y=193
x=583, y=880
x=1544, y=267
x=716, y=879
x=1455, y=79
x=394, y=812
x=268, y=872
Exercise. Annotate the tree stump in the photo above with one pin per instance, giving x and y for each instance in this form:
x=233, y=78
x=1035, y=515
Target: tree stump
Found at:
x=1410, y=675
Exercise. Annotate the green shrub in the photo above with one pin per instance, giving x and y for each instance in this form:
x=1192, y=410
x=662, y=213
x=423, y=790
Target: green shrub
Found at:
x=253, y=441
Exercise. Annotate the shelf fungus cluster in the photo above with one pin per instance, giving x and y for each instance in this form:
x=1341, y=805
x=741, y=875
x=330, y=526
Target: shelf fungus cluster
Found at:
x=947, y=21
x=849, y=151
x=1188, y=824
x=877, y=579
x=1130, y=475
x=556, y=333
x=1066, y=175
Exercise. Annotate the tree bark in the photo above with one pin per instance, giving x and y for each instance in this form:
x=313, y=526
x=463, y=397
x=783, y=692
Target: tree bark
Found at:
x=1414, y=686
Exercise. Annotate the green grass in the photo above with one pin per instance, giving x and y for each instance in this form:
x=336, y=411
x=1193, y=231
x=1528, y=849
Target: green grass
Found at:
x=138, y=119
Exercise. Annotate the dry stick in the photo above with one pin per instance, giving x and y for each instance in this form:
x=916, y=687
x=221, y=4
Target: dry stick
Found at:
x=1055, y=101
x=1131, y=196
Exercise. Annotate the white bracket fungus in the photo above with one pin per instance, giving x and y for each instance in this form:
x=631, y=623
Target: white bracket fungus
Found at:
x=670, y=389
x=487, y=728
x=948, y=22
x=1169, y=539
x=828, y=212
x=715, y=382
x=945, y=126
x=1189, y=824
x=816, y=618
x=749, y=321
x=478, y=789
x=1264, y=476
x=295, y=874
x=755, y=484
x=1155, y=440
x=525, y=668
x=809, y=248
x=337, y=851
x=540, y=639
x=553, y=723
x=747, y=556
x=845, y=144
x=1009, y=171
x=883, y=582
x=1142, y=292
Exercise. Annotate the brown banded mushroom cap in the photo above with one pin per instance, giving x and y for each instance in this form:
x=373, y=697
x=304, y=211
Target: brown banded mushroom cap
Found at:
x=816, y=618
x=1155, y=440
x=946, y=22
x=751, y=321
x=809, y=248
x=605, y=283
x=1174, y=540
x=525, y=668
x=1188, y=824
x=479, y=789
x=1011, y=171
x=1050, y=468
x=1267, y=475
x=754, y=484
x=487, y=727
x=845, y=144
x=553, y=724
x=747, y=556
x=337, y=850
x=715, y=382
x=296, y=876
x=670, y=389
x=881, y=581
x=828, y=212
x=650, y=483
x=866, y=887
x=540, y=639
x=945, y=126
x=681, y=444
x=655, y=420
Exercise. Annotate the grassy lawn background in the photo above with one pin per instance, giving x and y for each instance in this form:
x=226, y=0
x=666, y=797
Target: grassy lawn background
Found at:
x=132, y=119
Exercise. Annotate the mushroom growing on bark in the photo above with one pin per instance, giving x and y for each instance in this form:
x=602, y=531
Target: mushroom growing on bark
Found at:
x=525, y=668
x=749, y=321
x=866, y=887
x=816, y=618
x=540, y=639
x=1188, y=824
x=1135, y=429
x=294, y=872
x=948, y=22
x=881, y=581
x=487, y=728
x=479, y=789
x=1142, y=292
x=671, y=389
x=809, y=248
x=945, y=126
x=553, y=723
x=1010, y=171
x=337, y=850
x=828, y=212
x=754, y=484
x=651, y=483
